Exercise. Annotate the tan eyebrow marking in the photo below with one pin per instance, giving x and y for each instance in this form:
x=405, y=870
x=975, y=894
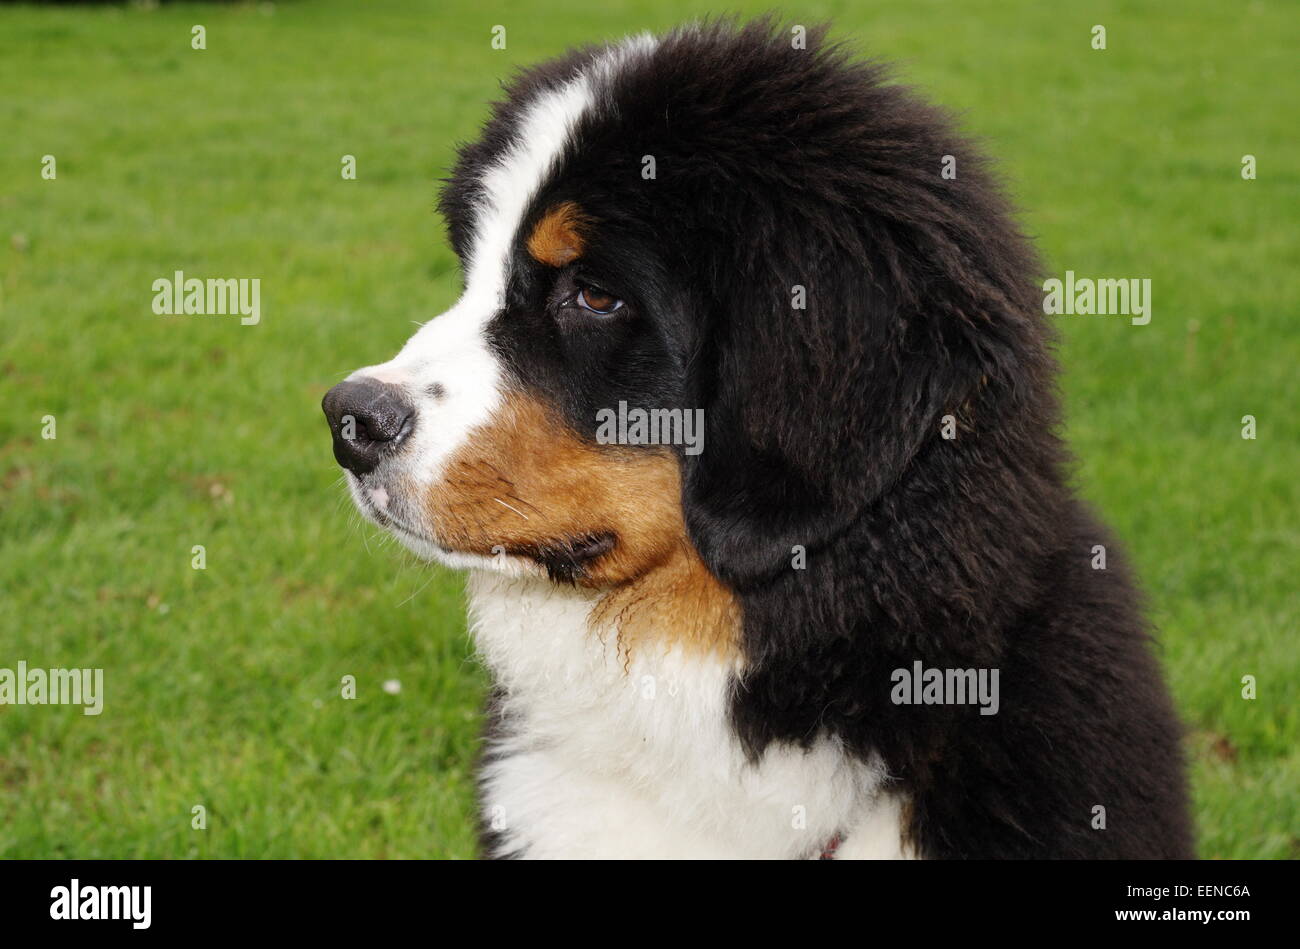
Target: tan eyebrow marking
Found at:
x=557, y=238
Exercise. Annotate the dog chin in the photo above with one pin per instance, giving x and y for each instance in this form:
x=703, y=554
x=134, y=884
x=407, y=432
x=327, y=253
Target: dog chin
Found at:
x=460, y=560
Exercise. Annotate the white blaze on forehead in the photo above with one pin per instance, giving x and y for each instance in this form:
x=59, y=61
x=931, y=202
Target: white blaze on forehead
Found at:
x=544, y=131
x=451, y=351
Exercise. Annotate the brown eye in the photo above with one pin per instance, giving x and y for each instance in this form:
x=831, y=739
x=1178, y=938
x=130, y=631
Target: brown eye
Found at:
x=597, y=301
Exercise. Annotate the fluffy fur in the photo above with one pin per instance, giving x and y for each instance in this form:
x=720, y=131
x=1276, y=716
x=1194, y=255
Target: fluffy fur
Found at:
x=775, y=168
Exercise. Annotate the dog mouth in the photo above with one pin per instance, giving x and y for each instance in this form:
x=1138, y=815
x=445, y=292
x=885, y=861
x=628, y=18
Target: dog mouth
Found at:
x=397, y=527
x=565, y=559
x=378, y=504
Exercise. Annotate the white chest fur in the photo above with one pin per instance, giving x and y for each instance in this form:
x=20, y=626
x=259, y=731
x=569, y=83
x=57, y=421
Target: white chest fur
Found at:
x=606, y=755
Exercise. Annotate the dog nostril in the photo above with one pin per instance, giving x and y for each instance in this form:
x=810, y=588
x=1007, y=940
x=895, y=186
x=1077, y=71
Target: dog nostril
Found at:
x=383, y=425
x=367, y=419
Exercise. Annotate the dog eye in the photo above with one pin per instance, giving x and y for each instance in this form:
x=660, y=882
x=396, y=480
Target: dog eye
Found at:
x=597, y=301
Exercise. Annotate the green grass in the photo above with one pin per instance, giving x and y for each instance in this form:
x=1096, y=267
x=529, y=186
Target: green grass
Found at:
x=223, y=685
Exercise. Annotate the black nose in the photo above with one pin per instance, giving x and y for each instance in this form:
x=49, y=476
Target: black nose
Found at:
x=368, y=419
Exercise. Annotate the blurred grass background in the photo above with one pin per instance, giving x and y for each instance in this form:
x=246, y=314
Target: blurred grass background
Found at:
x=223, y=685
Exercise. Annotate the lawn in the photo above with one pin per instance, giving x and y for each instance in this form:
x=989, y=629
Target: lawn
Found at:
x=223, y=685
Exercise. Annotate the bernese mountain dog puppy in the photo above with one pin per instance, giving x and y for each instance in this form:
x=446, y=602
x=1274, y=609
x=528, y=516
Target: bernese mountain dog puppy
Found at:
x=855, y=610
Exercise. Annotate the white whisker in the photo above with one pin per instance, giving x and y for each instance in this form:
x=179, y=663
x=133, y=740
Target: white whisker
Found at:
x=515, y=509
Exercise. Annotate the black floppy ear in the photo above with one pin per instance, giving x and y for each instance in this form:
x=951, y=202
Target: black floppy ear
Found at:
x=819, y=382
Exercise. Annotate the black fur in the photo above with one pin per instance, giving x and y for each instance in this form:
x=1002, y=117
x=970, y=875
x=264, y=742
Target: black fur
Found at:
x=779, y=167
x=491, y=841
x=565, y=561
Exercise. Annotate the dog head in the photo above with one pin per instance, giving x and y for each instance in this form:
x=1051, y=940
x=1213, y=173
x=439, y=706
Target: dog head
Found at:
x=723, y=226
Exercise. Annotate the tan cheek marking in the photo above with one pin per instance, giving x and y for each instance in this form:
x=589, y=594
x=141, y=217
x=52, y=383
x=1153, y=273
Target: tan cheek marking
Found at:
x=557, y=238
x=524, y=481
